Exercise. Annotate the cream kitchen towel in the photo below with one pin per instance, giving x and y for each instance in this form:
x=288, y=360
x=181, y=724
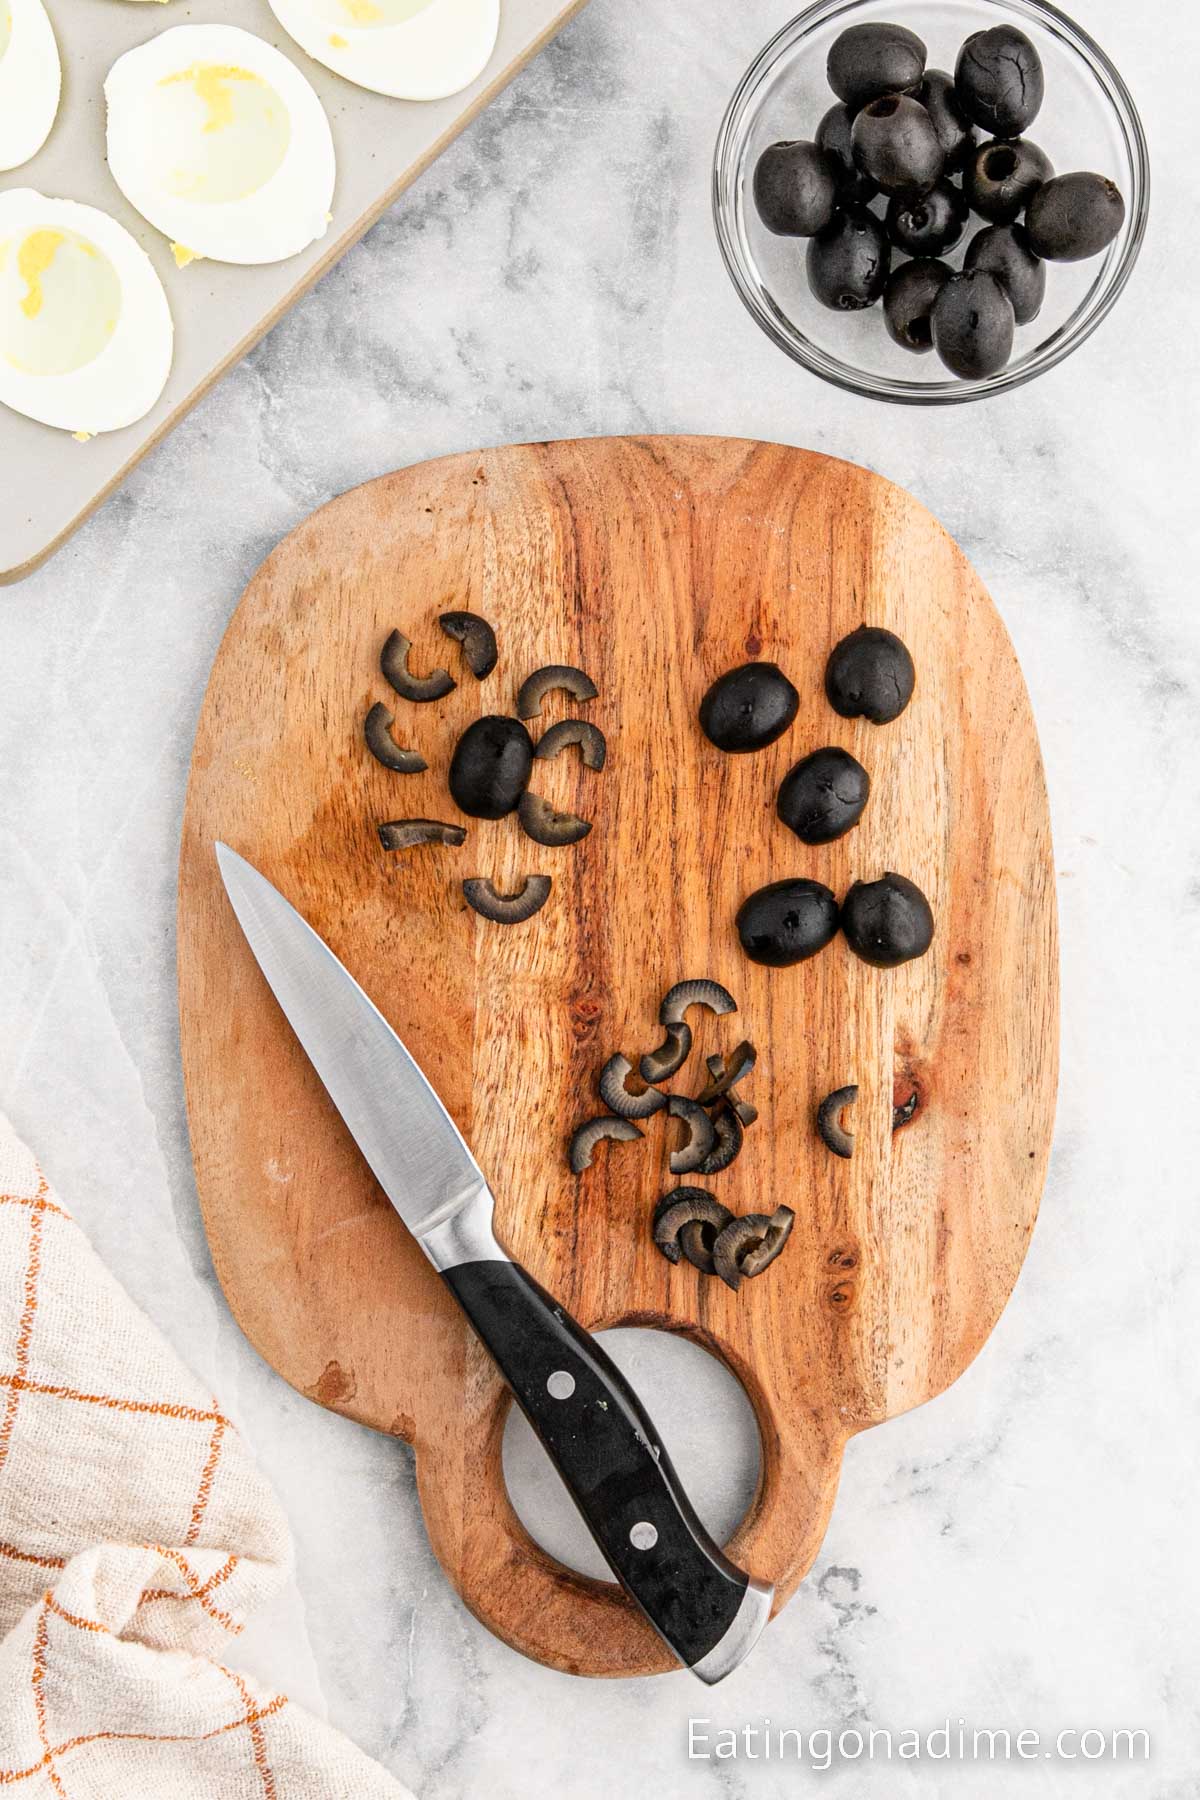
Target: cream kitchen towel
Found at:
x=136, y=1536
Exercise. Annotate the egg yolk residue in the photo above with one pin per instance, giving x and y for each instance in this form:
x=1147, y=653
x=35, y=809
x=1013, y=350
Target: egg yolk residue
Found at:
x=5, y=27
x=366, y=15
x=216, y=133
x=60, y=299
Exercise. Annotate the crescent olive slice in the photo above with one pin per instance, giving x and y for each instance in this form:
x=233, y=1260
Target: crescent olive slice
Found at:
x=695, y=993
x=421, y=688
x=701, y=1138
x=834, y=1134
x=546, y=681
x=383, y=747
x=506, y=909
x=594, y=1131
x=592, y=746
x=617, y=1097
x=541, y=822
x=688, y=1216
x=659, y=1065
x=477, y=638
x=406, y=834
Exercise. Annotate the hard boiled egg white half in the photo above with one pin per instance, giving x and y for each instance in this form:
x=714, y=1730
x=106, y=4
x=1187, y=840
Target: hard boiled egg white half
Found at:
x=85, y=329
x=220, y=142
x=30, y=80
x=411, y=49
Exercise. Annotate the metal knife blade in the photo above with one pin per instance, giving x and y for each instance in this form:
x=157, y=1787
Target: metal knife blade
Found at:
x=415, y=1150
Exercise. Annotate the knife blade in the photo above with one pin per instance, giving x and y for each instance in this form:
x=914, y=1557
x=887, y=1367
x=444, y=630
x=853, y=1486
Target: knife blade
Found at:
x=599, y=1437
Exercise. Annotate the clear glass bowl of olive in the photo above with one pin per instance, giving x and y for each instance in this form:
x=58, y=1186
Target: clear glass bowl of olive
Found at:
x=898, y=295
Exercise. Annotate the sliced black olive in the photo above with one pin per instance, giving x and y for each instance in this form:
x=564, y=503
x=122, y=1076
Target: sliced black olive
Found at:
x=592, y=1132
x=834, y=1134
x=870, y=675
x=422, y=688
x=745, y=1112
x=973, y=323
x=546, y=681
x=507, y=909
x=702, y=1135
x=590, y=738
x=726, y=1074
x=866, y=61
x=727, y=1128
x=477, y=638
x=491, y=766
x=686, y=1207
x=383, y=746
x=661, y=1064
x=903, y=1113
x=1003, y=176
x=824, y=795
x=747, y=1245
x=1074, y=216
x=544, y=825
x=887, y=922
x=405, y=834
x=1007, y=252
x=787, y=921
x=695, y=993
x=617, y=1097
x=748, y=708
x=999, y=80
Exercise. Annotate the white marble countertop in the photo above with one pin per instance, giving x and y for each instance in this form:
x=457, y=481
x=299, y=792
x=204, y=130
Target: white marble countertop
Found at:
x=1021, y=1552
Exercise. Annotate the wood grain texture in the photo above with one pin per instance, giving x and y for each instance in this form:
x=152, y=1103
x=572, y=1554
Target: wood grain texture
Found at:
x=655, y=564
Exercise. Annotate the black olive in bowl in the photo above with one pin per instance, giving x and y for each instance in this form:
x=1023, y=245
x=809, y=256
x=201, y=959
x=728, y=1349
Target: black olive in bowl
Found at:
x=866, y=61
x=1074, y=216
x=908, y=301
x=895, y=143
x=1003, y=176
x=929, y=225
x=887, y=922
x=833, y=136
x=955, y=132
x=999, y=80
x=1006, y=251
x=848, y=262
x=870, y=675
x=787, y=922
x=824, y=795
x=748, y=708
x=490, y=767
x=973, y=324
x=795, y=188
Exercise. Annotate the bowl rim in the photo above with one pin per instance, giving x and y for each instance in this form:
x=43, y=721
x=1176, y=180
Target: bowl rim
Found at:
x=1112, y=277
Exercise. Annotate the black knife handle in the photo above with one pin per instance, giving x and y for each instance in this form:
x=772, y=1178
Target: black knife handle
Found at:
x=608, y=1452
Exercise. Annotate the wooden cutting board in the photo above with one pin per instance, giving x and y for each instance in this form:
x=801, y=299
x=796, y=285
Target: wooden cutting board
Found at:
x=655, y=564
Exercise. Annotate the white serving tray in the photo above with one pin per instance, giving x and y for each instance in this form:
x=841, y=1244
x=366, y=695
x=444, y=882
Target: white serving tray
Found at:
x=48, y=482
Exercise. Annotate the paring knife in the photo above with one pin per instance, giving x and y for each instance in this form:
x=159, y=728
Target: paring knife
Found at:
x=599, y=1437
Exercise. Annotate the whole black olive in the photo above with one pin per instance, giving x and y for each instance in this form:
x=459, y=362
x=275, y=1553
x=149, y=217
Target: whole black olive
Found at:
x=490, y=767
x=869, y=60
x=795, y=188
x=930, y=225
x=895, y=143
x=870, y=675
x=787, y=922
x=1003, y=176
x=833, y=135
x=973, y=323
x=999, y=80
x=956, y=135
x=824, y=796
x=1006, y=251
x=748, y=708
x=848, y=262
x=1074, y=216
x=908, y=301
x=887, y=922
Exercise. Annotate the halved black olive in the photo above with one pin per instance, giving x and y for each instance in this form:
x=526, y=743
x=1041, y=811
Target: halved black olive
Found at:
x=544, y=825
x=592, y=1132
x=870, y=675
x=545, y=681
x=745, y=1112
x=787, y=921
x=383, y=746
x=617, y=1097
x=824, y=795
x=695, y=993
x=405, y=834
x=727, y=1129
x=903, y=1113
x=672, y=1053
x=748, y=708
x=507, y=909
x=702, y=1135
x=590, y=738
x=727, y=1073
x=834, y=1135
x=477, y=638
x=490, y=767
x=394, y=663
x=887, y=922
x=748, y=1244
x=692, y=1210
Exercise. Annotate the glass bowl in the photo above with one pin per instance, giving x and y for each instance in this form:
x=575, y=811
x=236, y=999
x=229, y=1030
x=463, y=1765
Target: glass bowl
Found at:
x=1088, y=121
